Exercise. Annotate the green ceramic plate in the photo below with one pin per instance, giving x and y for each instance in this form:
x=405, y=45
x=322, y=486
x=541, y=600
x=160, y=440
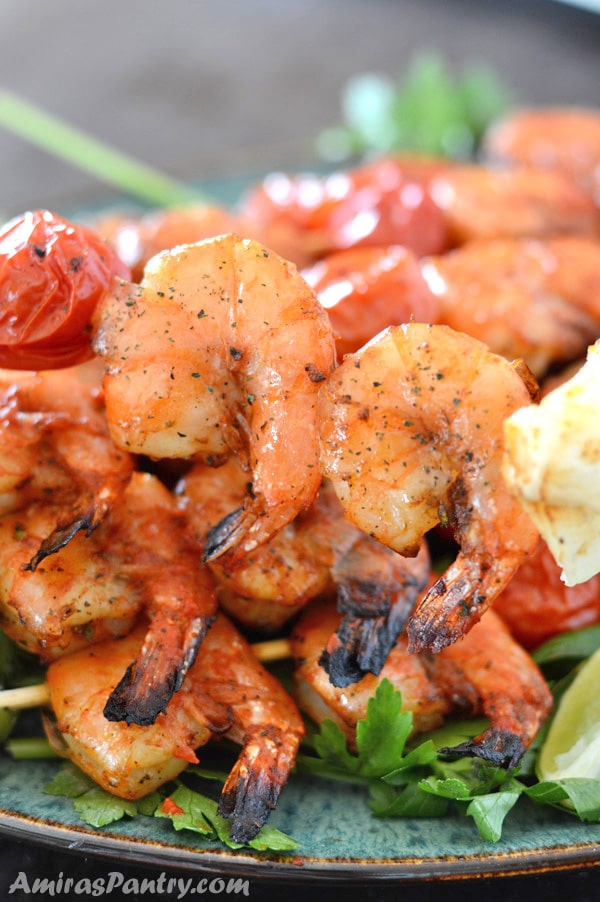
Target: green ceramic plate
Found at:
x=338, y=836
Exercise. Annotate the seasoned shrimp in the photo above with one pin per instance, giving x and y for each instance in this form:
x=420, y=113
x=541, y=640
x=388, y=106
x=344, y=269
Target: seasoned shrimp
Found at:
x=319, y=554
x=520, y=202
x=368, y=288
x=137, y=240
x=491, y=672
x=56, y=447
x=74, y=597
x=319, y=698
x=538, y=300
x=225, y=693
x=264, y=589
x=220, y=351
x=566, y=139
x=486, y=672
x=141, y=557
x=412, y=436
x=149, y=536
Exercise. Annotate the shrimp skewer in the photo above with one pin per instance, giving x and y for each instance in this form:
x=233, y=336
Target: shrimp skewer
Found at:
x=411, y=436
x=319, y=554
x=220, y=351
x=225, y=693
x=486, y=672
x=140, y=558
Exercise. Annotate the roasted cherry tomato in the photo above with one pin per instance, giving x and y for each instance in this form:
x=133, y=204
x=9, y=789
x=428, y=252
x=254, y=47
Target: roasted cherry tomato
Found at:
x=52, y=275
x=380, y=203
x=536, y=605
x=368, y=288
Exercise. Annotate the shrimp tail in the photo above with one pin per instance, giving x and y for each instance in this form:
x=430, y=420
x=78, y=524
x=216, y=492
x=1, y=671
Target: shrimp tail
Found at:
x=62, y=535
x=375, y=610
x=150, y=682
x=362, y=643
x=224, y=535
x=255, y=781
x=496, y=746
x=448, y=611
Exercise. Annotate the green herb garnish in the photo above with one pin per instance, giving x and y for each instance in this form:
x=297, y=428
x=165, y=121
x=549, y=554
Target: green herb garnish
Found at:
x=431, y=110
x=407, y=778
x=186, y=808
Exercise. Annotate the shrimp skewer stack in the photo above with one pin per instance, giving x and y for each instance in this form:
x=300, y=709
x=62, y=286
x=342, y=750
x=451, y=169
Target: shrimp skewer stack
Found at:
x=486, y=672
x=320, y=554
x=412, y=435
x=220, y=352
x=226, y=693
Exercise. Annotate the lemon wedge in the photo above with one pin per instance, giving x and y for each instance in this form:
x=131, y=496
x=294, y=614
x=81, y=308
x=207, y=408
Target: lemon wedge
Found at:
x=552, y=466
x=572, y=746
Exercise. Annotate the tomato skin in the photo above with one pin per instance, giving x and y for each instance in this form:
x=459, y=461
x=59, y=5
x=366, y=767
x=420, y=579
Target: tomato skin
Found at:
x=366, y=289
x=52, y=275
x=536, y=605
x=384, y=202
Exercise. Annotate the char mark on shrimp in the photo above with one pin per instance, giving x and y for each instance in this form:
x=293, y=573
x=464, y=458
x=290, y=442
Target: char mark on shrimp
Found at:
x=61, y=536
x=150, y=682
x=253, y=787
x=376, y=593
x=496, y=746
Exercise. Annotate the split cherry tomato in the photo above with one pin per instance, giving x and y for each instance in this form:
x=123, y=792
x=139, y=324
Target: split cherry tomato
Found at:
x=52, y=276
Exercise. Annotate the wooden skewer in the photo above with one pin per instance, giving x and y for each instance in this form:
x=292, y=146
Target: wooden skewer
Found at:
x=38, y=694
x=25, y=697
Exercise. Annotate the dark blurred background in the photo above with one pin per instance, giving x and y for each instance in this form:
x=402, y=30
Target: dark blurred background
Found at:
x=207, y=88
x=210, y=87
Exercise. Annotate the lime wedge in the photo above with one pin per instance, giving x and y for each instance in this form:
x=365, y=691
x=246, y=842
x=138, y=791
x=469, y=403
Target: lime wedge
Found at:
x=572, y=746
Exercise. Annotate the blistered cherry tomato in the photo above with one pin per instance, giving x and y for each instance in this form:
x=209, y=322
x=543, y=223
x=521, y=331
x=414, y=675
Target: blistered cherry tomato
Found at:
x=52, y=275
x=536, y=605
x=380, y=203
x=366, y=289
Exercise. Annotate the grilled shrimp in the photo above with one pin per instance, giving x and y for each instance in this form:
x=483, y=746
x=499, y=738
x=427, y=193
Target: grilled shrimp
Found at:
x=150, y=539
x=567, y=140
x=485, y=672
x=521, y=202
x=368, y=288
x=73, y=598
x=523, y=297
x=220, y=351
x=489, y=672
x=140, y=558
x=320, y=699
x=225, y=693
x=319, y=554
x=56, y=448
x=412, y=436
x=137, y=240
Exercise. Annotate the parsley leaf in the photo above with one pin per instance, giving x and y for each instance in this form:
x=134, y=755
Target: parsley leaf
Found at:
x=189, y=810
x=184, y=807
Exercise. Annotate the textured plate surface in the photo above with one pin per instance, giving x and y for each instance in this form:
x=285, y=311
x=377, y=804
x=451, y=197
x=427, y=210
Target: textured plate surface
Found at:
x=337, y=835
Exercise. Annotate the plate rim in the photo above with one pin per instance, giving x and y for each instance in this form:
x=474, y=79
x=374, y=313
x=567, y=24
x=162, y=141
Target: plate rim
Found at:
x=292, y=867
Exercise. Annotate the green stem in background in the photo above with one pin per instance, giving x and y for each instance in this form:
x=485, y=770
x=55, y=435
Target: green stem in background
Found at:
x=29, y=748
x=68, y=143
